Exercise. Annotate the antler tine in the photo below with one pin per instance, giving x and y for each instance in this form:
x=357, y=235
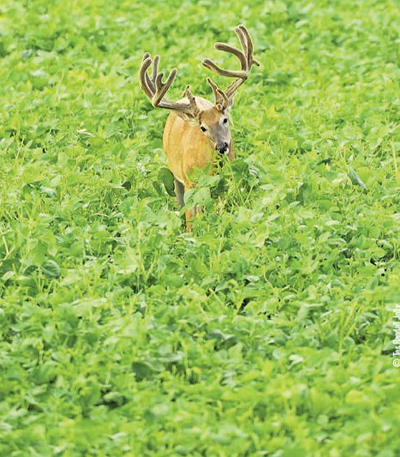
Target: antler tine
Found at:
x=161, y=89
x=221, y=100
x=155, y=70
x=221, y=71
x=243, y=40
x=192, y=101
x=239, y=54
x=155, y=89
x=245, y=57
x=144, y=77
x=250, y=47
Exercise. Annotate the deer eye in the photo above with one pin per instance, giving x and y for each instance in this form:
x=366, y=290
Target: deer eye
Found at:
x=225, y=120
x=203, y=128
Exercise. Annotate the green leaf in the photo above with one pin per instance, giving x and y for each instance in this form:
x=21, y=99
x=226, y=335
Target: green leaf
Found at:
x=197, y=197
x=167, y=178
x=356, y=180
x=50, y=268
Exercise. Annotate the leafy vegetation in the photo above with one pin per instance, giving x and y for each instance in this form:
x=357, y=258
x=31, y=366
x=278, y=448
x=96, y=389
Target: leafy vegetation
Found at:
x=266, y=332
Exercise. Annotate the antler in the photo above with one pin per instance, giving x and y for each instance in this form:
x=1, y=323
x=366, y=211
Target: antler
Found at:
x=155, y=89
x=246, y=61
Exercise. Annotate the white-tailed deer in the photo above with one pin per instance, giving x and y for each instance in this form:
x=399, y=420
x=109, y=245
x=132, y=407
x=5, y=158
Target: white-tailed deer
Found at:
x=196, y=127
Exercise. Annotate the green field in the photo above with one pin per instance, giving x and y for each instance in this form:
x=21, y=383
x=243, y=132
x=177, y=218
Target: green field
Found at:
x=268, y=330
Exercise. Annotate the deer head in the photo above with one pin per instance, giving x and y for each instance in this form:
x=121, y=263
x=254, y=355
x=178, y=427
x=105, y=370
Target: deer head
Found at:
x=212, y=120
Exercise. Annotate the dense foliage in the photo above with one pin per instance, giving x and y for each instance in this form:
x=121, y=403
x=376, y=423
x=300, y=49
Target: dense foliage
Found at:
x=268, y=330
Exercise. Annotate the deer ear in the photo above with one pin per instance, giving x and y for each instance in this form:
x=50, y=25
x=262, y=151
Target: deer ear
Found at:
x=188, y=118
x=230, y=104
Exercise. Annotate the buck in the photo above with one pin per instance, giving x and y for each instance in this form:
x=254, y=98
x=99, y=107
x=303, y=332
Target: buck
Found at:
x=196, y=128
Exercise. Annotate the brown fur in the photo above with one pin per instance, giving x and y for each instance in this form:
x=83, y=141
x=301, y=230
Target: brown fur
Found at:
x=187, y=148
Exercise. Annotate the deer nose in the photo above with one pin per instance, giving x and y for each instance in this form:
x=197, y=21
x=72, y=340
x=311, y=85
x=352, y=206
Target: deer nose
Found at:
x=222, y=148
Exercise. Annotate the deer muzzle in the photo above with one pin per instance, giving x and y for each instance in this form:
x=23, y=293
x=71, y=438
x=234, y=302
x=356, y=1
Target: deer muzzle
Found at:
x=222, y=148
